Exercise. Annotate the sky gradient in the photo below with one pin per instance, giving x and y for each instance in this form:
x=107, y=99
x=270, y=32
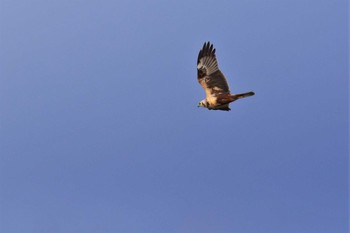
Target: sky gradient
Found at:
x=100, y=130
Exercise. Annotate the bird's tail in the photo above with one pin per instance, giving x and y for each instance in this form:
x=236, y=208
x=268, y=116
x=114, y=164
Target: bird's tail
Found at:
x=243, y=95
x=225, y=99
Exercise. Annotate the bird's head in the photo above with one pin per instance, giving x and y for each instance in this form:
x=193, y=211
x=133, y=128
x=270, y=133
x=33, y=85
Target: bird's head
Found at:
x=203, y=104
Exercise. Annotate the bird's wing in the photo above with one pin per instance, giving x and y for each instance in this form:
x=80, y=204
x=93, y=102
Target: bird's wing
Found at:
x=209, y=75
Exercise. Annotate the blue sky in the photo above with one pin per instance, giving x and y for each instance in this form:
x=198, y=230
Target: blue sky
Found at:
x=100, y=130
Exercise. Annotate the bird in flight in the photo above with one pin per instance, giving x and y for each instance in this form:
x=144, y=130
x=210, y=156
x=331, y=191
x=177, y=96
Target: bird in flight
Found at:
x=218, y=96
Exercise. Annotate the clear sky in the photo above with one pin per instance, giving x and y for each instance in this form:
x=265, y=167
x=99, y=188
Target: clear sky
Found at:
x=100, y=130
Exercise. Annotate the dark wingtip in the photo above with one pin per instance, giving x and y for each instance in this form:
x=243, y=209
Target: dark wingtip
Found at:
x=207, y=50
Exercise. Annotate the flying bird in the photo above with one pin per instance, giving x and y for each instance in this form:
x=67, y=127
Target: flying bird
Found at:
x=218, y=96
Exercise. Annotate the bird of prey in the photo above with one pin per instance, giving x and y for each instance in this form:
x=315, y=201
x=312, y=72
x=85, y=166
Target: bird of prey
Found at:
x=218, y=96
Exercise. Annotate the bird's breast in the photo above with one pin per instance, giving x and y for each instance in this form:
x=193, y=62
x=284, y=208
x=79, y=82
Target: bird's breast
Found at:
x=212, y=100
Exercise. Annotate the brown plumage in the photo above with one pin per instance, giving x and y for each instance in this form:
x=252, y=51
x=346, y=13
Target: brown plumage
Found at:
x=213, y=81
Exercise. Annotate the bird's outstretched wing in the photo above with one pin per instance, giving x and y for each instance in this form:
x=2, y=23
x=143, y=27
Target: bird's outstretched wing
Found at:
x=209, y=75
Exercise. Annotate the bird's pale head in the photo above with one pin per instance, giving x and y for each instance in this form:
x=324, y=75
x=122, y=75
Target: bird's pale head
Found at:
x=203, y=104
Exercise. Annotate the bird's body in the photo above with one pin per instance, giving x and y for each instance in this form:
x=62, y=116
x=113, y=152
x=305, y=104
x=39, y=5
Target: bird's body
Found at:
x=218, y=96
